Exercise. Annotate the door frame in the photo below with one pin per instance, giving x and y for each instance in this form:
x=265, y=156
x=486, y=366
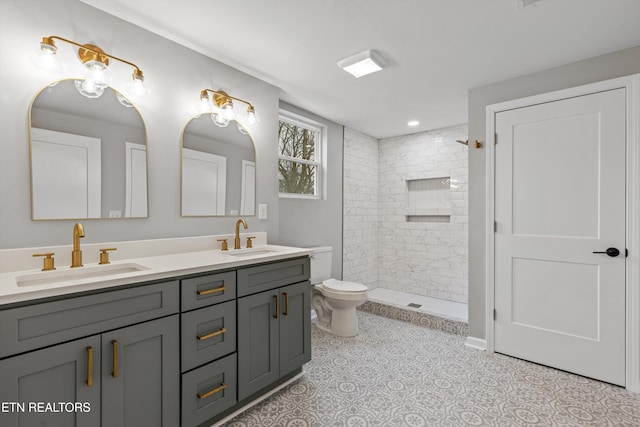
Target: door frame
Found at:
x=632, y=86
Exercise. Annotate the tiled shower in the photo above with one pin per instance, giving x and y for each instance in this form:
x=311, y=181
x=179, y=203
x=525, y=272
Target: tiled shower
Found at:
x=406, y=213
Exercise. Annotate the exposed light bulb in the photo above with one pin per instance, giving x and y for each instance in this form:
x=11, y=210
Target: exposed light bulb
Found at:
x=228, y=111
x=136, y=86
x=252, y=117
x=219, y=120
x=44, y=58
x=96, y=75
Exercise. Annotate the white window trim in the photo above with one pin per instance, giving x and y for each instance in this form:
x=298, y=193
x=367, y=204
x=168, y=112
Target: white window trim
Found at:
x=321, y=150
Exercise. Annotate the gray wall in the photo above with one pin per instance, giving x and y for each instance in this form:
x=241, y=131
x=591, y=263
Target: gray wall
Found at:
x=616, y=64
x=305, y=222
x=174, y=74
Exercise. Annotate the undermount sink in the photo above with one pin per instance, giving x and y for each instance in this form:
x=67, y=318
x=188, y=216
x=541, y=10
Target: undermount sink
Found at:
x=69, y=274
x=249, y=251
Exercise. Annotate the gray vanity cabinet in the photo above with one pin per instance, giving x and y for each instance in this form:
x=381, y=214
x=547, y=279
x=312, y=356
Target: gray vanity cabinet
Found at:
x=295, y=327
x=140, y=375
x=274, y=326
x=55, y=374
x=120, y=361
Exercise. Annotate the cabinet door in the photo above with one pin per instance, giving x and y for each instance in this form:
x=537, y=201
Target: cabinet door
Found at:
x=55, y=375
x=258, y=364
x=295, y=326
x=141, y=375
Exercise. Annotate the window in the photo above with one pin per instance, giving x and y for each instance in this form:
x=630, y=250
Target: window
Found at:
x=300, y=156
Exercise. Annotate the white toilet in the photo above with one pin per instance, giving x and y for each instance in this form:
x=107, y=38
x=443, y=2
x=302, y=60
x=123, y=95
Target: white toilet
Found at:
x=334, y=301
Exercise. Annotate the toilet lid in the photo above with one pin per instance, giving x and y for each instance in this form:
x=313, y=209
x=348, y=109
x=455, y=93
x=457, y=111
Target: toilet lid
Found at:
x=342, y=286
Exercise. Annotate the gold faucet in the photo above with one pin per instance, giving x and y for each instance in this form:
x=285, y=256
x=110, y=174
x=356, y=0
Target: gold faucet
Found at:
x=237, y=241
x=76, y=255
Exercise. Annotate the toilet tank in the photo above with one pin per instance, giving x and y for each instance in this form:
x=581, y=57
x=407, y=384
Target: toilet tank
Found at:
x=320, y=264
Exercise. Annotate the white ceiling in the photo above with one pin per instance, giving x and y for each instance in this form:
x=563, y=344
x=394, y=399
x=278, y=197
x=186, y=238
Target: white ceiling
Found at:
x=436, y=50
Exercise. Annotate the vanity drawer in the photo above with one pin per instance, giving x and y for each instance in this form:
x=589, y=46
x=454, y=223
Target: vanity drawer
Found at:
x=269, y=276
x=207, y=290
x=208, y=334
x=40, y=325
x=209, y=390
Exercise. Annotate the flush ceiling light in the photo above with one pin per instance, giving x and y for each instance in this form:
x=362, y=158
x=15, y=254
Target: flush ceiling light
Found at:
x=362, y=63
x=95, y=61
x=413, y=123
x=226, y=110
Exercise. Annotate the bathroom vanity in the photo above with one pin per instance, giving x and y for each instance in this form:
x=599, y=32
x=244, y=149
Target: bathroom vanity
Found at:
x=185, y=344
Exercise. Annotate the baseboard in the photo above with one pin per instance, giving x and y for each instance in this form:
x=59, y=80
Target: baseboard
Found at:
x=477, y=343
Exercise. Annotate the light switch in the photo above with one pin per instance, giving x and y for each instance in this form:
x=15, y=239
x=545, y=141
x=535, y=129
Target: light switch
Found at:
x=262, y=211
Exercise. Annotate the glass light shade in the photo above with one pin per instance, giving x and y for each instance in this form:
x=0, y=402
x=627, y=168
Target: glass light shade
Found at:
x=137, y=88
x=252, y=117
x=89, y=88
x=44, y=58
x=219, y=120
x=227, y=111
x=98, y=73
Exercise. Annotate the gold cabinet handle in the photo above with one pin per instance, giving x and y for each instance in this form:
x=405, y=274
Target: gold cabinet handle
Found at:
x=89, y=366
x=115, y=358
x=212, y=334
x=277, y=306
x=212, y=291
x=214, y=391
x=286, y=304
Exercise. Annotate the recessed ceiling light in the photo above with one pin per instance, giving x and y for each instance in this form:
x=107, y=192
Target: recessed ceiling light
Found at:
x=413, y=123
x=362, y=63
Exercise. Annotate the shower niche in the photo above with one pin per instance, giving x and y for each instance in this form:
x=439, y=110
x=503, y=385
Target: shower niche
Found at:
x=429, y=199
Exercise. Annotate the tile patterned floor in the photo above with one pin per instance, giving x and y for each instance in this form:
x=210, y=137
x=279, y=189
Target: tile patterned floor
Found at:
x=399, y=374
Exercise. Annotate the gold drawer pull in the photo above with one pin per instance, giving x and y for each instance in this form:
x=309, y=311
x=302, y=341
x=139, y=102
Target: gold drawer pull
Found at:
x=89, y=366
x=214, y=391
x=212, y=334
x=211, y=291
x=115, y=358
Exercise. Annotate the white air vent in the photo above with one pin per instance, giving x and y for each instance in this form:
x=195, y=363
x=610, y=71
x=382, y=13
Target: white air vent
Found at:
x=522, y=4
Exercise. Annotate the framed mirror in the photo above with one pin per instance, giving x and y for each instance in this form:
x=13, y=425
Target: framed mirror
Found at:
x=218, y=169
x=88, y=155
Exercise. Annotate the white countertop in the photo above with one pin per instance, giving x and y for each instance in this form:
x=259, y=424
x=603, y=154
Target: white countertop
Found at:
x=155, y=268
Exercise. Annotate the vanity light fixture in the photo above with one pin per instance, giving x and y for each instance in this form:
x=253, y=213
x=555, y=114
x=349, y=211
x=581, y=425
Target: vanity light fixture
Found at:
x=226, y=110
x=95, y=61
x=363, y=63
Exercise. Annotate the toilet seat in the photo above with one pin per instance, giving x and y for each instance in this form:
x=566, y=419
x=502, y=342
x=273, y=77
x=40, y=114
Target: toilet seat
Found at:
x=344, y=286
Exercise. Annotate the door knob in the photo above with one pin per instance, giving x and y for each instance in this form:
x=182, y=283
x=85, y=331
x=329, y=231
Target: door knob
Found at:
x=612, y=252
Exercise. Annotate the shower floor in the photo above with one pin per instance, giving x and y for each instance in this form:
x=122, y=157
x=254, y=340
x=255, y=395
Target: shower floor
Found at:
x=437, y=307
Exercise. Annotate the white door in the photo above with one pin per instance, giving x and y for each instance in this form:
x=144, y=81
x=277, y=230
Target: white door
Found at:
x=560, y=198
x=66, y=175
x=248, y=191
x=135, y=180
x=204, y=181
